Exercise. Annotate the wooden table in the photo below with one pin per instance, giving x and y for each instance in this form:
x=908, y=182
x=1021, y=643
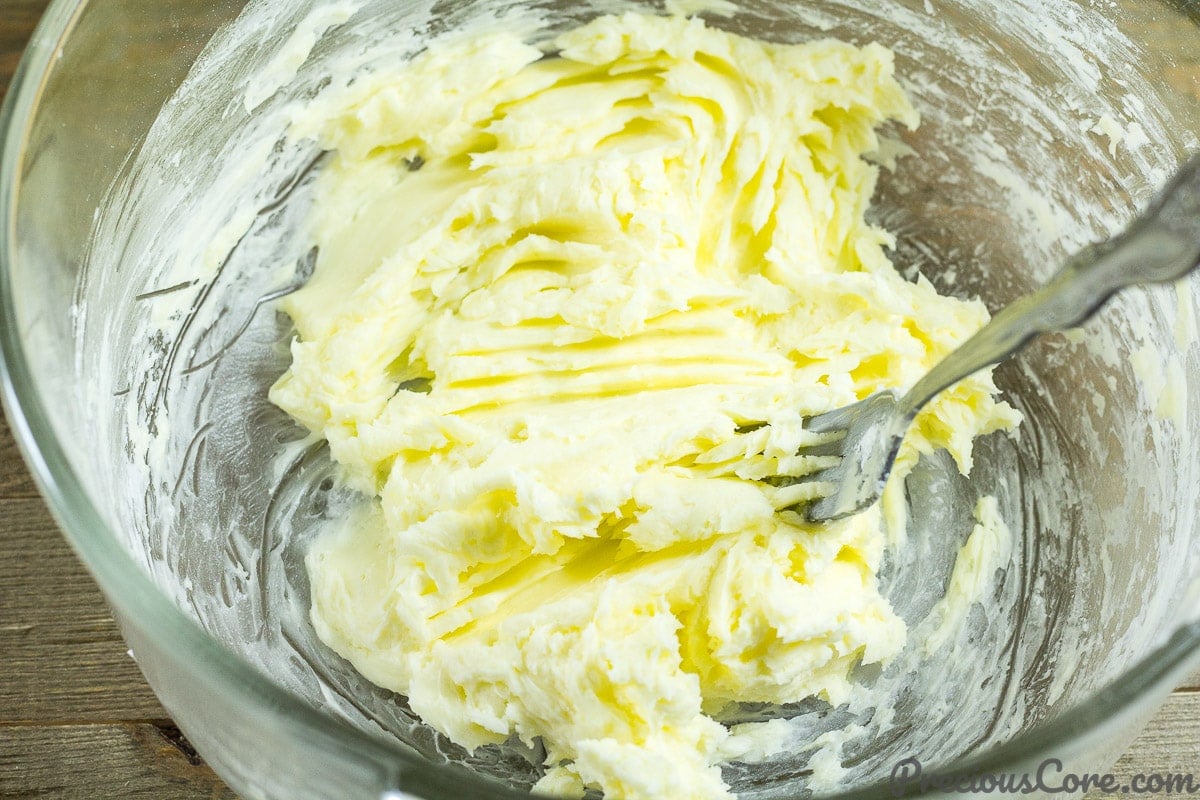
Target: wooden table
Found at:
x=77, y=720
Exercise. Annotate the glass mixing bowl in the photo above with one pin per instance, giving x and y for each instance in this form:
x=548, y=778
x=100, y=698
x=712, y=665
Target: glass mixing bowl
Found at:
x=149, y=209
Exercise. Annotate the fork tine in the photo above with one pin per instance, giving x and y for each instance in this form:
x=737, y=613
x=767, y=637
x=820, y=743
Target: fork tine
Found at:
x=800, y=495
x=848, y=472
x=838, y=419
x=805, y=465
x=828, y=448
x=800, y=492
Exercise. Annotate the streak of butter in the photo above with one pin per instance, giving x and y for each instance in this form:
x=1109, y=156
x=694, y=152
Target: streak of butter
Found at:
x=1132, y=135
x=282, y=68
x=987, y=549
x=1185, y=316
x=1172, y=403
x=555, y=300
x=1165, y=383
x=1109, y=127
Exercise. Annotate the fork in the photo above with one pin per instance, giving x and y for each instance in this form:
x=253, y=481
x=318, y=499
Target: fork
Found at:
x=1160, y=246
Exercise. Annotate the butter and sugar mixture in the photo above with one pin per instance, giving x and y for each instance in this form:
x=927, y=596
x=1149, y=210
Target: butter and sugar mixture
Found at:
x=572, y=302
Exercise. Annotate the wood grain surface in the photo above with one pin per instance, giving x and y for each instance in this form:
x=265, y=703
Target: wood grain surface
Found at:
x=78, y=722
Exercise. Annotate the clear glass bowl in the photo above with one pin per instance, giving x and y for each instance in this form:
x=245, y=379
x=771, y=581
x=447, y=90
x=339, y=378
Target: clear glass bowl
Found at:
x=139, y=338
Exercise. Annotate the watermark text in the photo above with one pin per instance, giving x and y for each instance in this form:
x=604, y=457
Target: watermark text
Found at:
x=908, y=777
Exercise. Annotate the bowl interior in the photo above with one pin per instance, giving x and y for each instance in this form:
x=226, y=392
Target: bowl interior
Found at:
x=172, y=338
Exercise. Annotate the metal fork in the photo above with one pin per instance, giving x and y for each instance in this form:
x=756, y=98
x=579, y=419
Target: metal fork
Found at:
x=1160, y=246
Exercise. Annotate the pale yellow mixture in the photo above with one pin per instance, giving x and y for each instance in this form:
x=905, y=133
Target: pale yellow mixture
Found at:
x=555, y=300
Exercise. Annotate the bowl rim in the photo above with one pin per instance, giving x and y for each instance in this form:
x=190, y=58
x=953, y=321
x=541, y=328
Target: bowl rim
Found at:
x=1122, y=699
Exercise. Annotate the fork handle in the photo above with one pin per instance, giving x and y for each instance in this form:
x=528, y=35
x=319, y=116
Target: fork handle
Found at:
x=1160, y=246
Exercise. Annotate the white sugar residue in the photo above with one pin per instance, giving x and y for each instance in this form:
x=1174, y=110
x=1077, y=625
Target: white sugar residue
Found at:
x=1135, y=136
x=1033, y=206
